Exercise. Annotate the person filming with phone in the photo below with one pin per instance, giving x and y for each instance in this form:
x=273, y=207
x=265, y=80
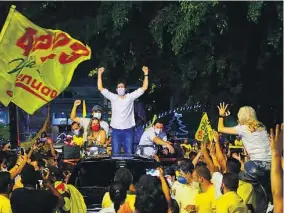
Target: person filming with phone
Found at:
x=43, y=148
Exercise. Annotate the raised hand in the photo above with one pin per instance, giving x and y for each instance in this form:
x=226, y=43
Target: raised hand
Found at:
x=77, y=102
x=7, y=147
x=216, y=136
x=145, y=70
x=222, y=109
x=101, y=70
x=276, y=139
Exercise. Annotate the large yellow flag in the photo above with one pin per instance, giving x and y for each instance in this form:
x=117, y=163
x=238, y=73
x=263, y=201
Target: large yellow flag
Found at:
x=37, y=64
x=204, y=131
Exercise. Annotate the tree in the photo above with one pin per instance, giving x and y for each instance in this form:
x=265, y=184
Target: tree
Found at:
x=197, y=51
x=178, y=129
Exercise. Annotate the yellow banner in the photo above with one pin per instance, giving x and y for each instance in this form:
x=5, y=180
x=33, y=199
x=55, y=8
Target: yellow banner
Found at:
x=204, y=131
x=37, y=64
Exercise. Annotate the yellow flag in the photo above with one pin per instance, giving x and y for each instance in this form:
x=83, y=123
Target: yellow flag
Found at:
x=84, y=109
x=153, y=120
x=204, y=131
x=37, y=64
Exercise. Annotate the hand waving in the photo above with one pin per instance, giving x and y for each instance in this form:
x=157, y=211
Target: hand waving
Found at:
x=223, y=109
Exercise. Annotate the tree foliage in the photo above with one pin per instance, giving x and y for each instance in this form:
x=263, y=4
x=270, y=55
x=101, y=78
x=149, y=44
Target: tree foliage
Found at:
x=197, y=51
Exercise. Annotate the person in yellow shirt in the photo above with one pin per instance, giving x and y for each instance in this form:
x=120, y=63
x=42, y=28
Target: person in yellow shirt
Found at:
x=186, y=192
x=124, y=176
x=205, y=202
x=5, y=188
x=230, y=201
x=78, y=132
x=186, y=148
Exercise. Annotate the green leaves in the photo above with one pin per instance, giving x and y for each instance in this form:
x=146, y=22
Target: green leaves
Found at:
x=254, y=10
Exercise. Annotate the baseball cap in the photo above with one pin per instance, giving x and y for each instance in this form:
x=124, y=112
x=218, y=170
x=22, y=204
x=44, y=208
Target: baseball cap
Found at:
x=97, y=108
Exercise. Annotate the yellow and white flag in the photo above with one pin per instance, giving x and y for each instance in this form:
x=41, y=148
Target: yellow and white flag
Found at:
x=37, y=64
x=204, y=131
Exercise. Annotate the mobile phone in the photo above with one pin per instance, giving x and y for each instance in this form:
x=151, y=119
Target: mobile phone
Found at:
x=153, y=172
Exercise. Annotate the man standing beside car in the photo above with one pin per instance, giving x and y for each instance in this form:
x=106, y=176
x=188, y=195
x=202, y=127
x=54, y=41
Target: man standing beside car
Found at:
x=122, y=106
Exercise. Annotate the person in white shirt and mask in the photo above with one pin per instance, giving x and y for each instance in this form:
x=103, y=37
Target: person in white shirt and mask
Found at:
x=122, y=107
x=84, y=122
x=152, y=137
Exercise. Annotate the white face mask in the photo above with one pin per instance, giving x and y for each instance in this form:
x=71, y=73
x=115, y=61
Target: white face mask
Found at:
x=97, y=115
x=158, y=131
x=120, y=91
x=76, y=131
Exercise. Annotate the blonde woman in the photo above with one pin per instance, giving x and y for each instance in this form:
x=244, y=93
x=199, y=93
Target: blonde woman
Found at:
x=255, y=140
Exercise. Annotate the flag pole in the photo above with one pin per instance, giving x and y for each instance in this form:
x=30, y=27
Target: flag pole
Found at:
x=8, y=19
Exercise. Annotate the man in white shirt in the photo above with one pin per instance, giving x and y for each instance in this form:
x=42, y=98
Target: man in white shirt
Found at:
x=84, y=122
x=152, y=136
x=122, y=105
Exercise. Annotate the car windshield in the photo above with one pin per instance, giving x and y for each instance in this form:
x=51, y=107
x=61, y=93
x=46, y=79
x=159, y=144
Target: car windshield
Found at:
x=101, y=173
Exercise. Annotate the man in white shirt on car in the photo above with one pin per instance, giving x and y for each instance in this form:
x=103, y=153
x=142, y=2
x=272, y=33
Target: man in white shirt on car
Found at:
x=152, y=137
x=122, y=106
x=84, y=122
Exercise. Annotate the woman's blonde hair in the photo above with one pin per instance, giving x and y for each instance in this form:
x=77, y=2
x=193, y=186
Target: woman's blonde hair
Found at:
x=247, y=116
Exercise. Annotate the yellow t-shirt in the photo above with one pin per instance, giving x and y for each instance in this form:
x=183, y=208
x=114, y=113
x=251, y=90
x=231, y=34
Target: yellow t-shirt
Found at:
x=187, y=148
x=18, y=183
x=231, y=202
x=5, y=206
x=206, y=202
x=185, y=195
x=238, y=143
x=78, y=141
x=246, y=192
x=129, y=198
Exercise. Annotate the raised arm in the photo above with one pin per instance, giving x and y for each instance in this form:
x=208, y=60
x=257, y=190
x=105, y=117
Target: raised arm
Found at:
x=100, y=80
x=219, y=154
x=145, y=81
x=73, y=116
x=276, y=142
x=207, y=159
x=222, y=113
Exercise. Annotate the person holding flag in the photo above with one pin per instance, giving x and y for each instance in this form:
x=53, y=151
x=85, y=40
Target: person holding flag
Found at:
x=122, y=120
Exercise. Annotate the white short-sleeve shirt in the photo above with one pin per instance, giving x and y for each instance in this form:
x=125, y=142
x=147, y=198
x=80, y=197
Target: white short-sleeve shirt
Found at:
x=256, y=143
x=147, y=139
x=122, y=108
x=84, y=122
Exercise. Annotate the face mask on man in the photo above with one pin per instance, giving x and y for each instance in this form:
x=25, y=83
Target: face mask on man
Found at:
x=120, y=91
x=96, y=127
x=76, y=131
x=157, y=131
x=182, y=180
x=97, y=115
